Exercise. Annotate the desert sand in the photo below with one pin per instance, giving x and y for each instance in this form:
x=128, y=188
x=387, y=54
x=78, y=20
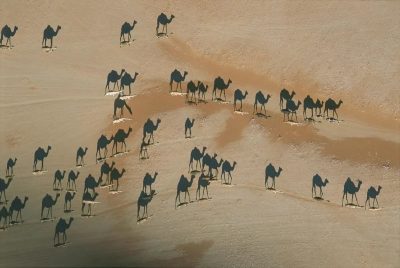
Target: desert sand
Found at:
x=327, y=49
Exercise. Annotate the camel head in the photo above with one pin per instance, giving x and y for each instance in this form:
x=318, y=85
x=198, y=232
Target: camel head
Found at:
x=15, y=29
x=58, y=28
x=70, y=221
x=340, y=102
x=326, y=181
x=111, y=139
x=95, y=195
x=245, y=94
x=293, y=93
x=215, y=155
x=268, y=97
x=155, y=174
x=129, y=130
x=86, y=148
x=15, y=160
x=185, y=73
x=134, y=22
x=280, y=170
x=158, y=121
x=136, y=74
x=229, y=81
x=64, y=173
x=77, y=174
x=298, y=104
x=26, y=199
x=48, y=148
x=122, y=71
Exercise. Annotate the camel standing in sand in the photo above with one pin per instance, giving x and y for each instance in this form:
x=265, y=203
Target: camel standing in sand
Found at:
x=126, y=29
x=7, y=33
x=177, y=77
x=318, y=182
x=164, y=21
x=372, y=193
x=219, y=84
x=183, y=187
x=351, y=188
x=61, y=228
x=260, y=98
x=49, y=33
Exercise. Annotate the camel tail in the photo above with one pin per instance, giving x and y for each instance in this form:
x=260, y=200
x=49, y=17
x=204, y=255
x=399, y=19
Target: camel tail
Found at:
x=128, y=108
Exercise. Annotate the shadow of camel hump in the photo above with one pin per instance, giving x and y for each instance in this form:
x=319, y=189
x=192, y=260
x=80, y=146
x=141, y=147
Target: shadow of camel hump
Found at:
x=143, y=154
x=163, y=20
x=351, y=188
x=68, y=201
x=183, y=187
x=262, y=100
x=17, y=205
x=61, y=228
x=40, y=155
x=191, y=89
x=10, y=167
x=113, y=77
x=318, y=182
x=271, y=172
x=178, y=78
x=5, y=217
x=102, y=143
x=89, y=199
x=220, y=84
x=212, y=164
x=239, y=96
x=202, y=92
x=106, y=169
x=291, y=109
x=149, y=127
x=3, y=187
x=48, y=202
x=49, y=34
x=143, y=201
x=126, y=29
x=372, y=193
x=7, y=33
x=308, y=103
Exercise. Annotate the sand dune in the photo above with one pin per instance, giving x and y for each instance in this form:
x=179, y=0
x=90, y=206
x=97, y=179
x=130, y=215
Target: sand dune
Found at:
x=340, y=50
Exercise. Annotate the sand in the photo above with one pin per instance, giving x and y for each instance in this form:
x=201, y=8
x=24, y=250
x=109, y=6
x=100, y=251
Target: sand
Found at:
x=336, y=49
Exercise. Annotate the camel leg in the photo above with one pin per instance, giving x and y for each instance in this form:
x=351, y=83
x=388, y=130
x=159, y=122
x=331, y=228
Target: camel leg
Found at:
x=224, y=95
x=41, y=213
x=42, y=166
x=188, y=195
x=207, y=192
x=230, y=176
x=356, y=199
x=376, y=202
x=273, y=182
x=54, y=240
x=241, y=106
x=320, y=192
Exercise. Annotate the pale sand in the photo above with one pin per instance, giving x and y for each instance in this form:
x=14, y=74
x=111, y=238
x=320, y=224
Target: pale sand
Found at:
x=343, y=50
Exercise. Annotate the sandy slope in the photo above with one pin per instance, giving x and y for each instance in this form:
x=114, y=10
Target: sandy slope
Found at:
x=326, y=49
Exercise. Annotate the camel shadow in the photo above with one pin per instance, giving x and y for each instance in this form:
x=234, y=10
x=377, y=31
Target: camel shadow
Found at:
x=318, y=198
x=221, y=101
x=126, y=43
x=161, y=35
x=352, y=205
x=68, y=210
x=5, y=46
x=191, y=102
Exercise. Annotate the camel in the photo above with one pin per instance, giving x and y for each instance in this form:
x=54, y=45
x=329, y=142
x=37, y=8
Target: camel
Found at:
x=72, y=177
x=120, y=104
x=102, y=143
x=68, y=201
x=40, y=155
x=91, y=183
x=88, y=198
x=113, y=77
x=3, y=187
x=372, y=193
x=127, y=80
x=149, y=128
x=120, y=137
x=318, y=105
x=48, y=202
x=58, y=177
x=195, y=154
x=270, y=171
x=331, y=105
x=177, y=77
x=317, y=182
x=260, y=98
x=202, y=90
x=126, y=28
x=202, y=183
x=192, y=89
x=49, y=33
x=17, y=205
x=143, y=154
x=188, y=126
x=238, y=96
x=148, y=180
x=115, y=175
x=5, y=214
x=106, y=169
x=227, y=168
x=183, y=187
x=10, y=167
x=61, y=228
x=284, y=95
x=350, y=188
x=80, y=155
x=143, y=200
x=291, y=108
x=221, y=86
x=206, y=160
x=7, y=33
x=308, y=104
x=164, y=21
